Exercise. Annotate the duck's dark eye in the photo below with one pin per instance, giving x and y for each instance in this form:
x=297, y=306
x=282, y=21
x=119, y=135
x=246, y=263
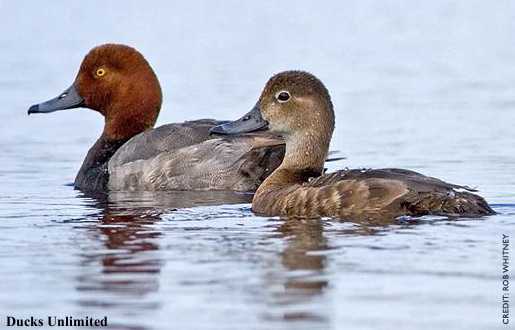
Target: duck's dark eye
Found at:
x=283, y=96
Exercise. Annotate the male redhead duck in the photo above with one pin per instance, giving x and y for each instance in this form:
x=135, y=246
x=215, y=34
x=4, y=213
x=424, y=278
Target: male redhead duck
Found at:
x=119, y=83
x=298, y=106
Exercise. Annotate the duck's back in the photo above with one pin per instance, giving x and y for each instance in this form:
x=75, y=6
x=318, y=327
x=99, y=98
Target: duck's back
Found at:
x=164, y=138
x=373, y=193
x=186, y=157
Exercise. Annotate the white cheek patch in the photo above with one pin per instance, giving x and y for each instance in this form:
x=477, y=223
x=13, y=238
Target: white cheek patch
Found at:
x=305, y=101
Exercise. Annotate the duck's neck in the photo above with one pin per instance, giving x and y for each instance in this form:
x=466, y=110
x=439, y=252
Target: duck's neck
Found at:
x=304, y=158
x=124, y=125
x=93, y=174
x=122, y=122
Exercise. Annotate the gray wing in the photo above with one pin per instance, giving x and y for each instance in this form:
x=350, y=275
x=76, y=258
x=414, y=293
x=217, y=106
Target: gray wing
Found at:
x=231, y=163
x=164, y=138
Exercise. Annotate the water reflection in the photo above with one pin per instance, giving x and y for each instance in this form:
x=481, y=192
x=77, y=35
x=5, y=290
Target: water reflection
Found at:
x=304, y=239
x=121, y=264
x=304, y=276
x=299, y=279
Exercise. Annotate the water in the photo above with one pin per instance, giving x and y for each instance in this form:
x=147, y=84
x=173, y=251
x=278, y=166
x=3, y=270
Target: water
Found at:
x=425, y=86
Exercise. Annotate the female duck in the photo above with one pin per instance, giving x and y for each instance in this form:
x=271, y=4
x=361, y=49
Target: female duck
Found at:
x=297, y=105
x=118, y=82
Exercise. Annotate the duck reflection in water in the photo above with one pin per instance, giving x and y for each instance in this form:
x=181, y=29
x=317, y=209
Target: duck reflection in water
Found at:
x=125, y=260
x=122, y=263
x=301, y=278
x=127, y=247
x=305, y=260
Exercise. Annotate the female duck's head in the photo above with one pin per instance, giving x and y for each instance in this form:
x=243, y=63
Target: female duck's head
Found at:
x=292, y=103
x=296, y=105
x=118, y=82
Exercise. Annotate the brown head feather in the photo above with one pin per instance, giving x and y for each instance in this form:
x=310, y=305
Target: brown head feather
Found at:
x=127, y=92
x=305, y=118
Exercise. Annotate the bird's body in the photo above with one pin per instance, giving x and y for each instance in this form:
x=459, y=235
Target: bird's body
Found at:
x=185, y=157
x=369, y=193
x=117, y=81
x=297, y=105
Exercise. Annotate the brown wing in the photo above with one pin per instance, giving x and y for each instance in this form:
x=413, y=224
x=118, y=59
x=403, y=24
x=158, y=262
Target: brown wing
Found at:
x=414, y=179
x=405, y=192
x=374, y=193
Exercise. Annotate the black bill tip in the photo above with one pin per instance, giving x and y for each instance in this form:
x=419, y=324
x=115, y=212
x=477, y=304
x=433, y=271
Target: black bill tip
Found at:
x=69, y=99
x=33, y=109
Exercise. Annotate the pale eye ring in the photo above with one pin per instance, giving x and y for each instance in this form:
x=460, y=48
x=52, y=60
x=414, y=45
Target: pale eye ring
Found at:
x=282, y=96
x=100, y=72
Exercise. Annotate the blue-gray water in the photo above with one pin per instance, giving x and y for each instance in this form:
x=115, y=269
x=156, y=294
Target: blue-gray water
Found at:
x=428, y=86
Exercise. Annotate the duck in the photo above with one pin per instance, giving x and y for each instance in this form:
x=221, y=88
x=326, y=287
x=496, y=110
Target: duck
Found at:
x=116, y=81
x=297, y=105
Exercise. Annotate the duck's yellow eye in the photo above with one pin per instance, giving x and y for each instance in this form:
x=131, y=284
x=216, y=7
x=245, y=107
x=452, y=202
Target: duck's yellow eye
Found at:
x=100, y=72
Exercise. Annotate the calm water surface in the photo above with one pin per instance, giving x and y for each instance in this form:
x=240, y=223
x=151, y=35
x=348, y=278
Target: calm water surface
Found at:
x=426, y=86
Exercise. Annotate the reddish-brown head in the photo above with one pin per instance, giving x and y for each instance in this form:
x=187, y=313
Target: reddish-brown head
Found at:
x=118, y=82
